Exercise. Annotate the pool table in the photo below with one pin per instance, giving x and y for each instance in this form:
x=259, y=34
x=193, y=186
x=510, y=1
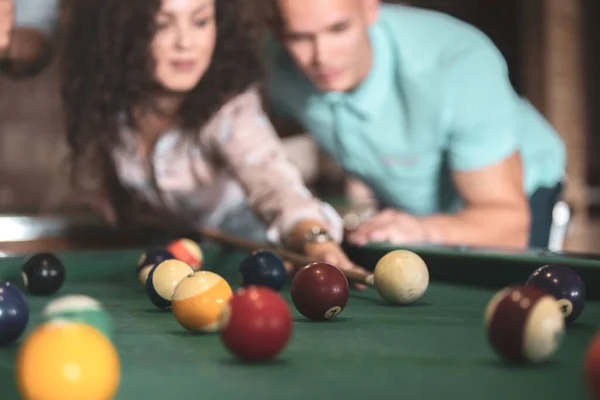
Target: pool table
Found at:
x=435, y=348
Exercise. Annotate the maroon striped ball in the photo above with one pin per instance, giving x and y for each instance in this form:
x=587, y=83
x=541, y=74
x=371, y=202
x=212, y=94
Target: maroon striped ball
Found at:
x=524, y=324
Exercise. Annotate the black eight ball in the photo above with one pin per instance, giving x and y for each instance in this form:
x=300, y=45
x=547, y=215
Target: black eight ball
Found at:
x=43, y=274
x=565, y=285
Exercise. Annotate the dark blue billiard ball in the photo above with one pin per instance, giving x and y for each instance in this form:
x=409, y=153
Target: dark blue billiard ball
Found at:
x=14, y=313
x=43, y=274
x=263, y=268
x=148, y=260
x=565, y=285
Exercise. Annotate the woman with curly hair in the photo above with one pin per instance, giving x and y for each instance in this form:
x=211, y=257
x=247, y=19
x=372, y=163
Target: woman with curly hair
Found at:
x=162, y=105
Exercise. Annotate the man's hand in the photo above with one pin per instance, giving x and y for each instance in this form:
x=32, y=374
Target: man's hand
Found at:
x=395, y=227
x=7, y=19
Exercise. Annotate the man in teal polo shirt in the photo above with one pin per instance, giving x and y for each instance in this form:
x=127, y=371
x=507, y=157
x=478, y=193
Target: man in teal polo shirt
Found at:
x=419, y=107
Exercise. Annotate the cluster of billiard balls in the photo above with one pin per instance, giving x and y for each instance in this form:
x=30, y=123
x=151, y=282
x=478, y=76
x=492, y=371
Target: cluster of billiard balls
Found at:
x=255, y=322
x=74, y=330
x=526, y=323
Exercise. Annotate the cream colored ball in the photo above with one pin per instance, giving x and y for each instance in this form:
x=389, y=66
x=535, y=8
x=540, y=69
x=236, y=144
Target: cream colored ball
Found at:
x=401, y=277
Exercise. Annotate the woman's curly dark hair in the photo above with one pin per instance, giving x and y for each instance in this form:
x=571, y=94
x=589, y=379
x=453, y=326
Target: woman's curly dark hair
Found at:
x=107, y=69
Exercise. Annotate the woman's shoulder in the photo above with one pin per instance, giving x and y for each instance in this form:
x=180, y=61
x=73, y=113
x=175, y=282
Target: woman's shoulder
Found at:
x=248, y=103
x=248, y=100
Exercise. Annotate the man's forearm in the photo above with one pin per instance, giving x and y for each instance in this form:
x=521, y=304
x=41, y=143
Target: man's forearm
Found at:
x=28, y=53
x=491, y=226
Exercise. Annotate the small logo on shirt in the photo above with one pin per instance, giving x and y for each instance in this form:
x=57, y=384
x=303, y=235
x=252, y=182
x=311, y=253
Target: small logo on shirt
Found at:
x=400, y=160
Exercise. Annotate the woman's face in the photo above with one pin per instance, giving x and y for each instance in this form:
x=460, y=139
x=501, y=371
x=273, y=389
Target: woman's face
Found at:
x=184, y=42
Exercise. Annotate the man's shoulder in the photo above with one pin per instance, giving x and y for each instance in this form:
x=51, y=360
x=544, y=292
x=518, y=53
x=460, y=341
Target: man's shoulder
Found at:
x=426, y=40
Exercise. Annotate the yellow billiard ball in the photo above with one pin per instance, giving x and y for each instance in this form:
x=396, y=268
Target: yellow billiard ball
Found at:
x=199, y=300
x=65, y=360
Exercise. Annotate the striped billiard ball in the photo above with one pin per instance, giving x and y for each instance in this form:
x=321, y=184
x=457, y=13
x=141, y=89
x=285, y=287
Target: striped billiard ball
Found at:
x=148, y=260
x=83, y=309
x=199, y=300
x=565, y=285
x=162, y=280
x=187, y=251
x=524, y=324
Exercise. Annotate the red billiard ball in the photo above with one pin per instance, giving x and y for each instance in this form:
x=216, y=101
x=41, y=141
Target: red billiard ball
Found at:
x=591, y=367
x=320, y=291
x=524, y=324
x=256, y=324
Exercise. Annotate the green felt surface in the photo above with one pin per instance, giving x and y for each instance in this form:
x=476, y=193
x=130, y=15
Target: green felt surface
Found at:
x=434, y=349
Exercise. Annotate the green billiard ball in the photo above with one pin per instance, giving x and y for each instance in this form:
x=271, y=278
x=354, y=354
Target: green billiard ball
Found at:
x=80, y=308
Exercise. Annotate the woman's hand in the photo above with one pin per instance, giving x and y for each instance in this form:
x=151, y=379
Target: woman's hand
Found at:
x=332, y=253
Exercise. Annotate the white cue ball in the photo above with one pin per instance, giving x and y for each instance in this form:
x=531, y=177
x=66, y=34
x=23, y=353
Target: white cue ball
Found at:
x=401, y=277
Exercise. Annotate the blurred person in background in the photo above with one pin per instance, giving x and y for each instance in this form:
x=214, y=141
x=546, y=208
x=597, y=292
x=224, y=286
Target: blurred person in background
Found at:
x=417, y=106
x=163, y=109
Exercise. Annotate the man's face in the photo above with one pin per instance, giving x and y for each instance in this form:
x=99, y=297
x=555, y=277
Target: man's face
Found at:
x=328, y=39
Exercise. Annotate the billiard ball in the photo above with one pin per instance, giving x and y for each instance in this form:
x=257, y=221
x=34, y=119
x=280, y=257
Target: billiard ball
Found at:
x=14, y=313
x=524, y=324
x=401, y=277
x=149, y=259
x=565, y=285
x=591, y=366
x=199, y=300
x=43, y=274
x=256, y=324
x=320, y=291
x=162, y=280
x=80, y=308
x=64, y=360
x=188, y=251
x=263, y=268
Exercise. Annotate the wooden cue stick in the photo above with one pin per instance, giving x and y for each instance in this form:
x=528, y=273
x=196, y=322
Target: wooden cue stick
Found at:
x=286, y=255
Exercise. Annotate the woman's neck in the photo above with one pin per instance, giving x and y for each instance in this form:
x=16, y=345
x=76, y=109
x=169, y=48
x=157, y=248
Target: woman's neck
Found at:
x=158, y=116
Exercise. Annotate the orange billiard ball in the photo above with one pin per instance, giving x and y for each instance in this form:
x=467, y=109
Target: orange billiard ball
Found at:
x=188, y=251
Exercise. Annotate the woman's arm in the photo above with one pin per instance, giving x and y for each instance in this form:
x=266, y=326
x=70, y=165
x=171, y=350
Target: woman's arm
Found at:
x=253, y=152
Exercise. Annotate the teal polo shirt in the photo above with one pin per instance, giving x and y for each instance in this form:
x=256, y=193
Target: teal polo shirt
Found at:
x=37, y=14
x=437, y=99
